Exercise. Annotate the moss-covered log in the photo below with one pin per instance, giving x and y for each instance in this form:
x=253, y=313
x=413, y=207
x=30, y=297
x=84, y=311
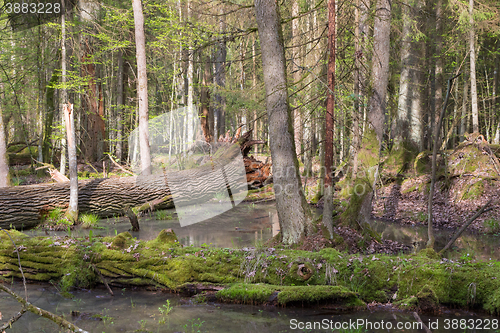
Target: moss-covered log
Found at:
x=274, y=275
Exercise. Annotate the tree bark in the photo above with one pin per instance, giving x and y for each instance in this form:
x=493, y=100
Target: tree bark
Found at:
x=297, y=125
x=293, y=211
x=142, y=87
x=435, y=145
x=464, y=114
x=25, y=206
x=473, y=83
x=220, y=79
x=330, y=111
x=119, y=108
x=409, y=125
x=380, y=67
x=496, y=100
x=72, y=212
x=63, y=98
x=205, y=101
x=4, y=165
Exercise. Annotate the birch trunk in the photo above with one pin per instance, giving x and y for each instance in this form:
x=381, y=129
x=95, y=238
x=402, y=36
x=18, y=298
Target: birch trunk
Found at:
x=72, y=212
x=142, y=87
x=473, y=83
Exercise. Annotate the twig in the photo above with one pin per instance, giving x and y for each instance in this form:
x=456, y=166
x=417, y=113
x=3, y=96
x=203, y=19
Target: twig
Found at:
x=119, y=166
x=41, y=312
x=13, y=320
x=462, y=229
x=417, y=317
x=103, y=280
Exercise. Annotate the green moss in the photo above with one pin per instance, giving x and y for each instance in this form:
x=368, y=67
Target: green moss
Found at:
x=429, y=253
x=247, y=293
x=166, y=236
x=474, y=191
x=427, y=299
x=492, y=304
x=263, y=293
x=336, y=276
x=422, y=163
x=399, y=159
x=121, y=240
x=316, y=294
x=410, y=303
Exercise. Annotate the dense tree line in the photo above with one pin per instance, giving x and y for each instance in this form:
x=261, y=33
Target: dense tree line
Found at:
x=391, y=62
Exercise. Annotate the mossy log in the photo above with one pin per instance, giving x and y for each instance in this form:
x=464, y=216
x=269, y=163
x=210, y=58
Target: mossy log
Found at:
x=264, y=275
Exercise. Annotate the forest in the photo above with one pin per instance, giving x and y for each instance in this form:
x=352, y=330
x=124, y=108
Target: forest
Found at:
x=240, y=156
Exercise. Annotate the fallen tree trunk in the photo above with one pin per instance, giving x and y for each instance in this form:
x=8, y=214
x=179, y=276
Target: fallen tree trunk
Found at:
x=25, y=206
x=290, y=276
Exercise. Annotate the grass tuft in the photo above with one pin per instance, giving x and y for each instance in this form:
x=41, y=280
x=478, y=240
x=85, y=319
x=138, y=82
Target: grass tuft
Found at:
x=89, y=220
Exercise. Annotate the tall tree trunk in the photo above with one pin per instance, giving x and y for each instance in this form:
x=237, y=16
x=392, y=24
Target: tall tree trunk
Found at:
x=380, y=67
x=49, y=118
x=358, y=213
x=330, y=112
x=190, y=92
x=205, y=100
x=293, y=211
x=473, y=83
x=72, y=212
x=438, y=91
x=119, y=108
x=297, y=125
x=254, y=87
x=496, y=99
x=220, y=78
x=4, y=164
x=142, y=87
x=464, y=116
x=409, y=126
x=63, y=99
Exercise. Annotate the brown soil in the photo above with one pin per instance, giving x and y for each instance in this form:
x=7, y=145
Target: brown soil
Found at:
x=407, y=203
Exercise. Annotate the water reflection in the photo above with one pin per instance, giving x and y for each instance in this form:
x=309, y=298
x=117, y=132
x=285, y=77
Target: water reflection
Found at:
x=138, y=311
x=249, y=224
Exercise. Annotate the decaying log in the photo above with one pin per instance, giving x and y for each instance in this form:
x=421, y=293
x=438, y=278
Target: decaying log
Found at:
x=25, y=206
x=133, y=218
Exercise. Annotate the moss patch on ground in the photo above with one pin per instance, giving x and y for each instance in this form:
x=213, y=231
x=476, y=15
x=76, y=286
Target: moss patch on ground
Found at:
x=297, y=276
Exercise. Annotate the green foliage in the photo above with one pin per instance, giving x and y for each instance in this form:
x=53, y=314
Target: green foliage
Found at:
x=163, y=215
x=89, y=220
x=165, y=309
x=492, y=225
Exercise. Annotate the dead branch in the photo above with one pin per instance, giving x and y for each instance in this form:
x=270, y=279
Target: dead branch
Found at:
x=417, y=317
x=119, y=166
x=462, y=229
x=27, y=306
x=13, y=320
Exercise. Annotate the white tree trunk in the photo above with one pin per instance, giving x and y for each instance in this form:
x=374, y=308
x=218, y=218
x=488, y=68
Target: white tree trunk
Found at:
x=63, y=100
x=72, y=212
x=473, y=83
x=142, y=87
x=4, y=165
